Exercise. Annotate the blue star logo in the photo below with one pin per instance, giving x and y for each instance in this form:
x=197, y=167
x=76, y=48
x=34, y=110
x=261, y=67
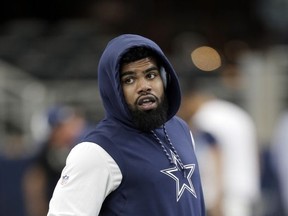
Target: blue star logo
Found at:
x=182, y=179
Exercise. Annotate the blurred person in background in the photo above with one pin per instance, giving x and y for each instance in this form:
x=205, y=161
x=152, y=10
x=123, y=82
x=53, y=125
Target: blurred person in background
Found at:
x=279, y=159
x=66, y=125
x=227, y=148
x=14, y=162
x=140, y=158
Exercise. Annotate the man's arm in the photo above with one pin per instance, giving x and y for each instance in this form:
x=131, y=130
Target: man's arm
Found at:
x=89, y=176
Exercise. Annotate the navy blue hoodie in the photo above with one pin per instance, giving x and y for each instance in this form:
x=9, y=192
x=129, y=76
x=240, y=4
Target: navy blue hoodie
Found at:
x=151, y=185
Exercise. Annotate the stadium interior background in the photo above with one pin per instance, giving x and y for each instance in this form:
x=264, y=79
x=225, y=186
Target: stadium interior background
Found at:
x=49, y=52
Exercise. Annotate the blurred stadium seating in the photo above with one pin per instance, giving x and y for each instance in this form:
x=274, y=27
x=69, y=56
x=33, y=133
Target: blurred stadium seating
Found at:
x=66, y=50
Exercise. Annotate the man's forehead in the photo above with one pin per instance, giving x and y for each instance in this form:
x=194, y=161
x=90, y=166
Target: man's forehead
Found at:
x=144, y=62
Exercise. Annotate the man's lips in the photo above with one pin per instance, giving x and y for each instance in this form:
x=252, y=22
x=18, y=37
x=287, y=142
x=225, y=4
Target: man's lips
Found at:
x=146, y=102
x=146, y=99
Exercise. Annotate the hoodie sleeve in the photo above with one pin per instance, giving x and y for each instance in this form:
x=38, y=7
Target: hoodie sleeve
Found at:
x=89, y=176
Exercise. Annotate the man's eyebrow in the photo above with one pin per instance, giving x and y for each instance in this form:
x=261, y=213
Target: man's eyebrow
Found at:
x=151, y=69
x=126, y=73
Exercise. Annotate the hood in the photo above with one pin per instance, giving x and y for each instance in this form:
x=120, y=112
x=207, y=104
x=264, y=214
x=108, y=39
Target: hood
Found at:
x=109, y=79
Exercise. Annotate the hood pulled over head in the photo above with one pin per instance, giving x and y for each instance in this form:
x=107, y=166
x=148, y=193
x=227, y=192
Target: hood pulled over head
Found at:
x=109, y=76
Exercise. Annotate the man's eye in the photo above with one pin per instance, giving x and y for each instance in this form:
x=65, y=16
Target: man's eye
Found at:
x=128, y=80
x=151, y=75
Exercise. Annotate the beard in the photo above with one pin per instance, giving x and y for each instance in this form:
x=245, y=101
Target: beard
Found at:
x=151, y=119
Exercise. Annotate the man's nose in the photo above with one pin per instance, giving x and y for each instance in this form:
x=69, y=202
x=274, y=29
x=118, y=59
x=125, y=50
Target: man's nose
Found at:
x=143, y=85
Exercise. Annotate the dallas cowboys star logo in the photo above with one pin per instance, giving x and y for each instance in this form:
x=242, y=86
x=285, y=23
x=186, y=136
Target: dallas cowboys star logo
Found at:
x=183, y=181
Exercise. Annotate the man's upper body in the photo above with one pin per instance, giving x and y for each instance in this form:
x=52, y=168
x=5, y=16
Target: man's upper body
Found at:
x=234, y=132
x=228, y=154
x=140, y=158
x=227, y=146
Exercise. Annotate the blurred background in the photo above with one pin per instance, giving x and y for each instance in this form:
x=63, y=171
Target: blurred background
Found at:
x=49, y=52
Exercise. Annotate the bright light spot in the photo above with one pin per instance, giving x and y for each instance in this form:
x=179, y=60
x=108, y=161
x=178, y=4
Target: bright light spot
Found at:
x=206, y=58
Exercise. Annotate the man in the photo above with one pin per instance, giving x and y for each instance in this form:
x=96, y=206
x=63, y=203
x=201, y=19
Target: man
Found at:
x=140, y=159
x=64, y=126
x=226, y=146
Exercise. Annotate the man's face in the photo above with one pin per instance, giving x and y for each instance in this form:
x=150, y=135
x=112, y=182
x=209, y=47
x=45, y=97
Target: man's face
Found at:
x=144, y=93
x=142, y=84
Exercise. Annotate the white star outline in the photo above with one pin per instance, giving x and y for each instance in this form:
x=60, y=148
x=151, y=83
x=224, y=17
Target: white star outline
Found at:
x=169, y=172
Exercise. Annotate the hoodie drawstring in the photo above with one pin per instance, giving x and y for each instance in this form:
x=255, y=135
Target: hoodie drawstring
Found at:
x=172, y=148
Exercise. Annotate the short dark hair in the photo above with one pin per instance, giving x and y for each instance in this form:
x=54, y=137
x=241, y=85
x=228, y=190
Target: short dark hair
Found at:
x=137, y=53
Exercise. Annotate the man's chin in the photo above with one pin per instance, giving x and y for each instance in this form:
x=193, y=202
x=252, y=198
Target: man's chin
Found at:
x=151, y=115
x=149, y=119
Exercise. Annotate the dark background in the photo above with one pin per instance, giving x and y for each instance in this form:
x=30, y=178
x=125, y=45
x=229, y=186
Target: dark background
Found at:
x=219, y=21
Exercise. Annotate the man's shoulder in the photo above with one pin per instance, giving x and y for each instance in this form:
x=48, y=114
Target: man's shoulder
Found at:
x=177, y=120
x=177, y=124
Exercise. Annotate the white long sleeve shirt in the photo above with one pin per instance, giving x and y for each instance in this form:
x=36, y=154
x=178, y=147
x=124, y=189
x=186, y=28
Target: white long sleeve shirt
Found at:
x=89, y=170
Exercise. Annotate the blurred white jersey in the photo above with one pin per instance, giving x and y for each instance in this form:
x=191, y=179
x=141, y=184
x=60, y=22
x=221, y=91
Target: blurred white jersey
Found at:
x=235, y=135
